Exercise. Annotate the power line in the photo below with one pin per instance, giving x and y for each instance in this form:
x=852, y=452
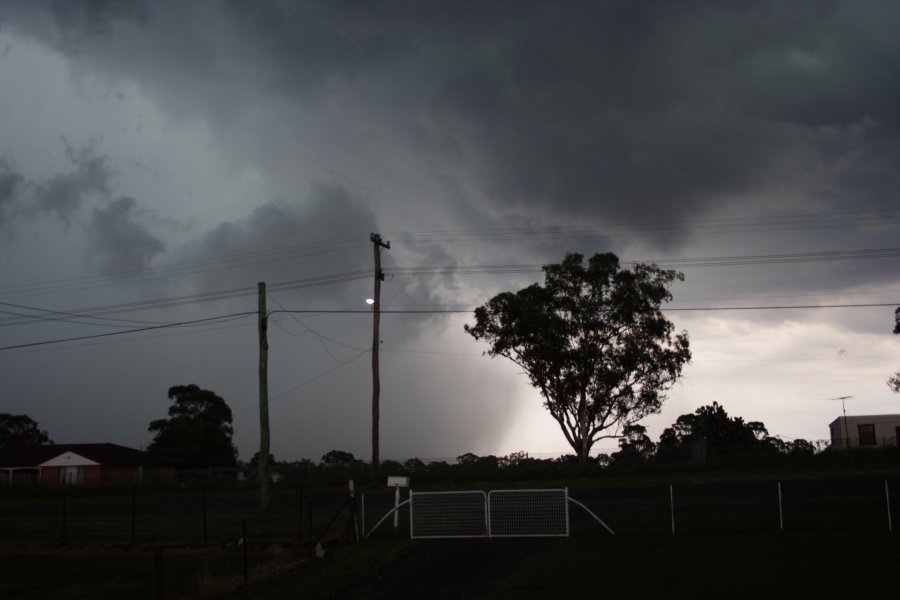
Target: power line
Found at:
x=457, y=270
x=415, y=311
x=659, y=228
x=185, y=268
x=109, y=334
x=424, y=311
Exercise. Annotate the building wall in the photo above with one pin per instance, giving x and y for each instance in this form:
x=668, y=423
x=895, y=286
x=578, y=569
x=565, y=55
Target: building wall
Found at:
x=885, y=431
x=50, y=476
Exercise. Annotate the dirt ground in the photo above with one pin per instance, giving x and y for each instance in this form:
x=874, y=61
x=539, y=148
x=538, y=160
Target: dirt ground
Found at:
x=445, y=569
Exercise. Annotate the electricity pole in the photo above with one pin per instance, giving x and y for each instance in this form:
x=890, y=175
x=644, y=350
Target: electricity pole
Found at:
x=263, y=465
x=378, y=245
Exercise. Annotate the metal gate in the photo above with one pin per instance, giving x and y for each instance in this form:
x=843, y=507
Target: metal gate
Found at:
x=499, y=513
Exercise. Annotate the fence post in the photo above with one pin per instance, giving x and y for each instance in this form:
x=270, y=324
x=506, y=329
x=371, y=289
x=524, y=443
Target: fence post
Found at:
x=780, y=510
x=300, y=518
x=672, y=506
x=64, y=518
x=362, y=513
x=133, y=513
x=158, y=574
x=887, y=498
x=309, y=529
x=203, y=501
x=245, y=544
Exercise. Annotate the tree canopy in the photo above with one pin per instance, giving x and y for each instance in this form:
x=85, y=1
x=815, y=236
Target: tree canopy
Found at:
x=594, y=342
x=712, y=426
x=198, y=430
x=337, y=458
x=21, y=430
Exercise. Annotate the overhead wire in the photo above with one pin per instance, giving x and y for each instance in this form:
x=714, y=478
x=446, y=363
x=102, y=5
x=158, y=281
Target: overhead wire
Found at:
x=876, y=218
x=137, y=330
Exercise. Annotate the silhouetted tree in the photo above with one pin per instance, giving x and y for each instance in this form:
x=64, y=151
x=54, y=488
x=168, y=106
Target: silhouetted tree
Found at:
x=21, y=430
x=593, y=340
x=390, y=467
x=467, y=459
x=635, y=446
x=198, y=430
x=414, y=466
x=337, y=459
x=721, y=434
x=253, y=464
x=800, y=447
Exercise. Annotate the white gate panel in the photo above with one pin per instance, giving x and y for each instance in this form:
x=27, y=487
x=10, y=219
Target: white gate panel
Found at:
x=448, y=514
x=529, y=513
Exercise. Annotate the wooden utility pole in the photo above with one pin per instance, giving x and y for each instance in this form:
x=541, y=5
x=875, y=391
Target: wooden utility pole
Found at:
x=263, y=465
x=378, y=245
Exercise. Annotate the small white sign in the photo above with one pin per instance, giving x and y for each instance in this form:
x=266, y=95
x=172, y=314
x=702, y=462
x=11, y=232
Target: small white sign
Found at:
x=398, y=481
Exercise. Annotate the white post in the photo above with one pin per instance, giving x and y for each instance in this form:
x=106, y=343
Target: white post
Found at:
x=672, y=506
x=780, y=510
x=887, y=497
x=411, y=530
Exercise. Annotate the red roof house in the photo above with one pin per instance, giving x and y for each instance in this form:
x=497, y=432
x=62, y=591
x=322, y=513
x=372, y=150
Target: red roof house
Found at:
x=88, y=464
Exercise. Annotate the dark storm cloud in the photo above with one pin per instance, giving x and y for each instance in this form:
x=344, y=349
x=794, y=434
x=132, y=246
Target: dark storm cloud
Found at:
x=666, y=107
x=62, y=195
x=326, y=212
x=615, y=108
x=117, y=241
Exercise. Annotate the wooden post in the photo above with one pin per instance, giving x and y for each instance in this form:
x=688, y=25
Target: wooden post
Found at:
x=203, y=501
x=133, y=514
x=887, y=498
x=672, y=506
x=64, y=510
x=780, y=510
x=158, y=574
x=300, y=518
x=376, y=323
x=263, y=465
x=245, y=544
x=309, y=530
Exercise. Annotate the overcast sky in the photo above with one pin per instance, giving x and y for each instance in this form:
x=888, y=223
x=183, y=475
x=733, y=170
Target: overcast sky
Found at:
x=180, y=152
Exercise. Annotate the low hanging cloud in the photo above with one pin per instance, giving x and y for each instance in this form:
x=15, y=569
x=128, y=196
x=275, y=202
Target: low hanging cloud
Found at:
x=117, y=241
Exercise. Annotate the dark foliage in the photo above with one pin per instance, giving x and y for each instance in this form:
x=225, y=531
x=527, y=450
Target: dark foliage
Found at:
x=198, y=430
x=21, y=430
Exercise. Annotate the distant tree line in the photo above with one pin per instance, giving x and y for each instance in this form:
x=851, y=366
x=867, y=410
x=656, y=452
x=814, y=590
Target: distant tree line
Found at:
x=707, y=437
